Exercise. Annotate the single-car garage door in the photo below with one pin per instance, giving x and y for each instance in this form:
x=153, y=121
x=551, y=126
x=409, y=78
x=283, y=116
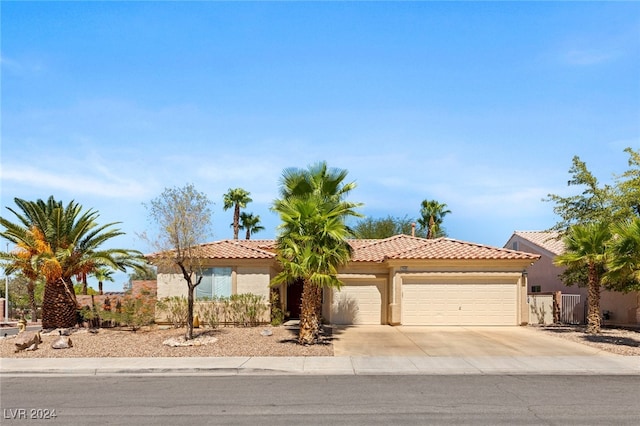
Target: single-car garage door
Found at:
x=459, y=304
x=357, y=303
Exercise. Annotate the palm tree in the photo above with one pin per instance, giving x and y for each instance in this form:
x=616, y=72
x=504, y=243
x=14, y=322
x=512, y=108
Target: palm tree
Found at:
x=624, y=256
x=432, y=214
x=586, y=246
x=102, y=275
x=250, y=223
x=237, y=198
x=66, y=243
x=312, y=243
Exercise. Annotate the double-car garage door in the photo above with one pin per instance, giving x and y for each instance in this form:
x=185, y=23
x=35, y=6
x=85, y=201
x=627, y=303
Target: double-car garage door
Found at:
x=451, y=303
x=459, y=304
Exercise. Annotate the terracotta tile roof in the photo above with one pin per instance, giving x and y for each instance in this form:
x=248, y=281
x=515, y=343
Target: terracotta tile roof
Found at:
x=406, y=247
x=236, y=249
x=550, y=241
x=400, y=247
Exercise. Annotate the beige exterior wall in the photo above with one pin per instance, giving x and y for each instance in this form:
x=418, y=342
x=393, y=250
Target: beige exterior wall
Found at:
x=253, y=280
x=170, y=285
x=624, y=308
x=540, y=309
x=544, y=273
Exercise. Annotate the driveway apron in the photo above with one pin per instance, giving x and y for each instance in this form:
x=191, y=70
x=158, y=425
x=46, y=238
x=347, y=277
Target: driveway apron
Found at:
x=447, y=341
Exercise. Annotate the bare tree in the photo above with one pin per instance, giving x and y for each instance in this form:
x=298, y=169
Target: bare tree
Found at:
x=183, y=217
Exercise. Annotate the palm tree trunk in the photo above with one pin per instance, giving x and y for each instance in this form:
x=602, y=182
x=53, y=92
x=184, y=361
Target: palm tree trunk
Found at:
x=236, y=221
x=59, y=308
x=100, y=287
x=593, y=315
x=309, y=320
x=31, y=289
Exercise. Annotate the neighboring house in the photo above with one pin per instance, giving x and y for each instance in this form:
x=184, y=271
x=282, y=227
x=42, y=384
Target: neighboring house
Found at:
x=544, y=277
x=397, y=280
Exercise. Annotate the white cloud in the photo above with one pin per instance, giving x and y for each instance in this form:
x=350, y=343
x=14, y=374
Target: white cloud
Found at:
x=74, y=182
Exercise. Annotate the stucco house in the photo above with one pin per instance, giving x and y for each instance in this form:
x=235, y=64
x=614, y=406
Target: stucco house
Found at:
x=397, y=280
x=544, y=277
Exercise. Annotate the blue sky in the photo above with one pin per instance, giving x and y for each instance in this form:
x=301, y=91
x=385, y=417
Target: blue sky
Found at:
x=479, y=105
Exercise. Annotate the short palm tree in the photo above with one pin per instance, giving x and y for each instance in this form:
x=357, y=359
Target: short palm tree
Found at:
x=432, y=215
x=586, y=246
x=624, y=255
x=250, y=223
x=237, y=198
x=102, y=274
x=61, y=242
x=312, y=242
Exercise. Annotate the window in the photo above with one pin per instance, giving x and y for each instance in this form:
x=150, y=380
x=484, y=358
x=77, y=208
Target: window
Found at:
x=216, y=282
x=536, y=289
x=514, y=245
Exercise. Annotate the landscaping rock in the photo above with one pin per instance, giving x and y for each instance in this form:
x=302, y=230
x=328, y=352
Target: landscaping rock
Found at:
x=62, y=342
x=28, y=340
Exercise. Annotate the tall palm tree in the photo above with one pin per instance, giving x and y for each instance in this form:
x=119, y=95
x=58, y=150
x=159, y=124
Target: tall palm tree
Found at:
x=67, y=243
x=624, y=256
x=312, y=242
x=250, y=223
x=586, y=246
x=102, y=274
x=432, y=214
x=237, y=198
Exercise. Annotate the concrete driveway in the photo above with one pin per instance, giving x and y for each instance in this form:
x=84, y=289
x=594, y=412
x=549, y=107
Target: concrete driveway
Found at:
x=384, y=340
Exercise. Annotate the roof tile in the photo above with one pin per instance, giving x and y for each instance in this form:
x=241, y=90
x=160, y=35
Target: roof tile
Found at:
x=549, y=240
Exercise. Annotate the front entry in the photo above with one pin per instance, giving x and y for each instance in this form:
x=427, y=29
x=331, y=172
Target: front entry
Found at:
x=294, y=299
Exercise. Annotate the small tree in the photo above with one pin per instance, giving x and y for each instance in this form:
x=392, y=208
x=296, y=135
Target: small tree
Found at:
x=184, y=218
x=372, y=228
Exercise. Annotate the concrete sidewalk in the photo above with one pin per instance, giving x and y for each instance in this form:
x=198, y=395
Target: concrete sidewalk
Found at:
x=341, y=365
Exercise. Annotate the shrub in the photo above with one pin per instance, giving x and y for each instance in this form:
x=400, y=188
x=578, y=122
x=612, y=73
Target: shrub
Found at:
x=176, y=309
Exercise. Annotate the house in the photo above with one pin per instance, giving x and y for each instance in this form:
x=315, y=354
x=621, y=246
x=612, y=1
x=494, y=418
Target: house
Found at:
x=397, y=280
x=544, y=277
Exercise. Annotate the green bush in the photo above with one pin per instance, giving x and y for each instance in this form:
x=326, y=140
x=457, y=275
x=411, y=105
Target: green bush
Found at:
x=176, y=309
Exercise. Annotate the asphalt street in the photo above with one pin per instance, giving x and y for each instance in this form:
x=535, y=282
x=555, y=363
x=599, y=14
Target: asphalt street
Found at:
x=344, y=400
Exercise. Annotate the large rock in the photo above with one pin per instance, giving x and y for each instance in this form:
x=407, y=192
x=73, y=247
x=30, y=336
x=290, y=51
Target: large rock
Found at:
x=62, y=342
x=28, y=340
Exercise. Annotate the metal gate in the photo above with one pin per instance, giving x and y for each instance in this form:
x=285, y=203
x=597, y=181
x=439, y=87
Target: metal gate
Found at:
x=572, y=311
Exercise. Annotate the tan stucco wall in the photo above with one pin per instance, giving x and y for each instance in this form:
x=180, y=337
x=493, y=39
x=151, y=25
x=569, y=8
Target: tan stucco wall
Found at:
x=170, y=285
x=540, y=309
x=253, y=280
x=543, y=272
x=624, y=308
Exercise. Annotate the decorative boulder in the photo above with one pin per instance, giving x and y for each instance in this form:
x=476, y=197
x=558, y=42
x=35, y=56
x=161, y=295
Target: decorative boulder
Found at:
x=28, y=340
x=62, y=342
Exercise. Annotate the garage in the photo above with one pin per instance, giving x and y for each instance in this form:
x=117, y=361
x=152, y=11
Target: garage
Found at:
x=358, y=303
x=459, y=304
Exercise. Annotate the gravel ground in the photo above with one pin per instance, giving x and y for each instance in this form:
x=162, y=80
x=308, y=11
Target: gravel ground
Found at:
x=615, y=340
x=227, y=341
x=230, y=341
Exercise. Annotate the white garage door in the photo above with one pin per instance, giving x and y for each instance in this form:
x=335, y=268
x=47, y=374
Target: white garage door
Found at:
x=357, y=303
x=459, y=304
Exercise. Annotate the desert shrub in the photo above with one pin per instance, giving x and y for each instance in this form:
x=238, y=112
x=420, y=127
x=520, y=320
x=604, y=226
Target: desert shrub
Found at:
x=175, y=307
x=133, y=311
x=277, y=314
x=211, y=312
